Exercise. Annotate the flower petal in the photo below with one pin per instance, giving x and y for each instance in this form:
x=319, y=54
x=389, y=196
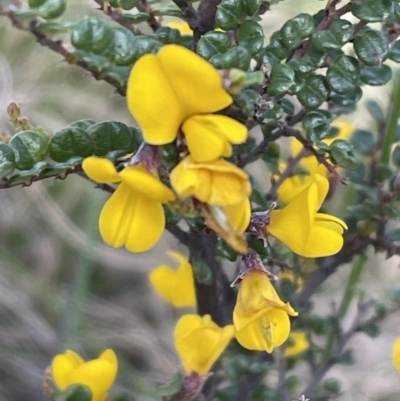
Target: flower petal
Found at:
x=62, y=365
x=176, y=286
x=396, y=354
x=299, y=344
x=209, y=136
x=216, y=183
x=141, y=181
x=131, y=219
x=164, y=89
x=100, y=170
x=199, y=342
x=239, y=215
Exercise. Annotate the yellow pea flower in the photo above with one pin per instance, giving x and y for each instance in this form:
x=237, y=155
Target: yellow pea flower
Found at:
x=239, y=215
x=298, y=343
x=302, y=229
x=182, y=26
x=176, y=286
x=200, y=342
x=176, y=89
x=292, y=186
x=260, y=317
x=133, y=216
x=216, y=183
x=396, y=354
x=97, y=374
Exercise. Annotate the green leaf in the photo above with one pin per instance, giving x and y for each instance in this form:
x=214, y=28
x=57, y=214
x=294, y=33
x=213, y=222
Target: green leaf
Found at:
x=252, y=6
x=347, y=99
x=144, y=45
x=122, y=52
x=225, y=251
x=394, y=52
x=395, y=156
x=35, y=3
x=201, y=270
x=91, y=34
x=376, y=76
x=228, y=14
x=246, y=99
x=371, y=10
x=50, y=28
x=343, y=74
x=332, y=386
x=135, y=18
x=277, y=47
x=309, y=62
x=316, y=124
x=170, y=11
x=213, y=43
x=171, y=388
x=282, y=78
x=83, y=124
x=288, y=106
x=339, y=33
x=375, y=110
x=7, y=160
x=341, y=153
x=128, y=4
x=29, y=147
x=363, y=142
x=314, y=92
x=237, y=57
x=297, y=29
x=51, y=9
x=70, y=142
x=371, y=46
x=74, y=392
x=113, y=135
x=274, y=114
x=250, y=35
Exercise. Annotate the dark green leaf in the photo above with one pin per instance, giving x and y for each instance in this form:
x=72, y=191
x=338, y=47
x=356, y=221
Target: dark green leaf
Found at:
x=51, y=9
x=70, y=142
x=288, y=106
x=228, y=14
x=376, y=76
x=201, y=270
x=371, y=46
x=74, y=392
x=225, y=251
x=343, y=74
x=341, y=154
x=363, y=142
x=145, y=44
x=91, y=34
x=339, y=33
x=136, y=18
x=250, y=36
x=237, y=57
x=296, y=30
x=171, y=388
x=347, y=99
x=7, y=160
x=274, y=114
x=121, y=44
x=113, y=135
x=247, y=99
x=394, y=236
x=314, y=92
x=309, y=62
x=29, y=147
x=252, y=6
x=375, y=110
x=50, y=28
x=277, y=47
x=83, y=124
x=394, y=52
x=171, y=11
x=128, y=4
x=282, y=78
x=332, y=386
x=371, y=10
x=213, y=43
x=316, y=124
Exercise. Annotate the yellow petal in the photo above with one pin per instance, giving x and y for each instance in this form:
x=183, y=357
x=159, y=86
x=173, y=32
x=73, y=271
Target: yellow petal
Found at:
x=216, y=183
x=98, y=374
x=345, y=130
x=131, y=219
x=164, y=89
x=200, y=342
x=299, y=344
x=239, y=215
x=209, y=136
x=182, y=26
x=100, y=170
x=61, y=367
x=141, y=181
x=396, y=354
x=267, y=332
x=176, y=286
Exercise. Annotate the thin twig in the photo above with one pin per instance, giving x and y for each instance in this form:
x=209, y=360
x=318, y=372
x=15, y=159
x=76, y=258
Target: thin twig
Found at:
x=153, y=23
x=188, y=12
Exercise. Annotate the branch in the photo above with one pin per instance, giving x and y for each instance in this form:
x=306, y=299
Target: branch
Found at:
x=59, y=47
x=188, y=12
x=153, y=23
x=206, y=18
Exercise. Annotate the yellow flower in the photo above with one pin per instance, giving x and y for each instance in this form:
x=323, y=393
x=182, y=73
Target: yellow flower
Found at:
x=176, y=286
x=298, y=343
x=133, y=216
x=182, y=26
x=176, y=89
x=200, y=342
x=216, y=183
x=97, y=374
x=302, y=229
x=260, y=317
x=239, y=215
x=292, y=186
x=288, y=275
x=396, y=354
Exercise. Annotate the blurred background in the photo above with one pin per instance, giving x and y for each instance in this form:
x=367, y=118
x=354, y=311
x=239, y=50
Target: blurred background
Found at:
x=62, y=287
